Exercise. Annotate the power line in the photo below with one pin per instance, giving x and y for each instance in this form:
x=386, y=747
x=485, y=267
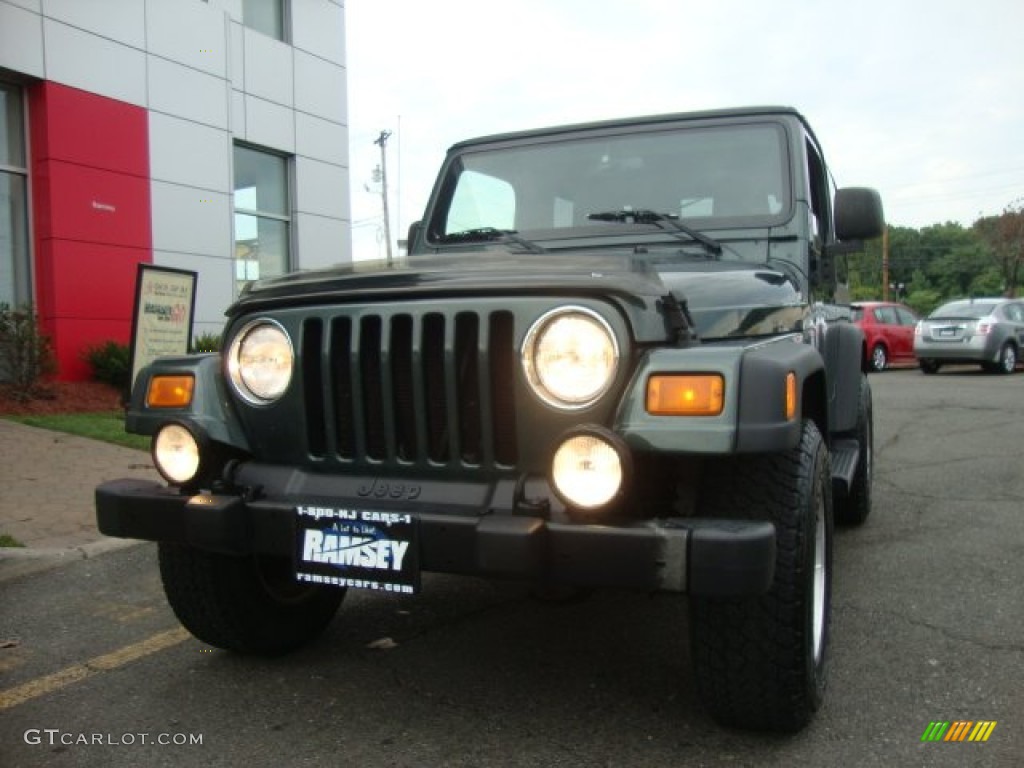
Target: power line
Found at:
x=948, y=179
x=911, y=199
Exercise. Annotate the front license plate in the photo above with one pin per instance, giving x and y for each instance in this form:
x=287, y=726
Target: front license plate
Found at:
x=361, y=548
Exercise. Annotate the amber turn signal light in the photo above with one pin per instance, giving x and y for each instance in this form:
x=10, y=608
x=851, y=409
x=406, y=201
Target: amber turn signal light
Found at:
x=170, y=391
x=672, y=394
x=790, y=396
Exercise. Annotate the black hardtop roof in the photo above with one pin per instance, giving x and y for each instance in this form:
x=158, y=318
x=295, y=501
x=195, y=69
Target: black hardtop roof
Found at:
x=713, y=114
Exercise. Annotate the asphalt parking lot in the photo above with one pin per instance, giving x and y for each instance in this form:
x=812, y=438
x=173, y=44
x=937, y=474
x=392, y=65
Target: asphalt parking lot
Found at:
x=927, y=627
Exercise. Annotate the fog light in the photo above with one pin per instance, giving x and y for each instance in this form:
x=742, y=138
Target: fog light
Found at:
x=589, y=469
x=176, y=454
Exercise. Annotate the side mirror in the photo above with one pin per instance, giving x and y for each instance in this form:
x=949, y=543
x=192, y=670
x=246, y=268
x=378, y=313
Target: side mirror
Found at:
x=858, y=214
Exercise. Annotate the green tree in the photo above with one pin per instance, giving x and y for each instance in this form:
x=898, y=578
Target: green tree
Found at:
x=904, y=254
x=989, y=283
x=923, y=301
x=951, y=257
x=943, y=261
x=1004, y=235
x=919, y=281
x=954, y=272
x=864, y=272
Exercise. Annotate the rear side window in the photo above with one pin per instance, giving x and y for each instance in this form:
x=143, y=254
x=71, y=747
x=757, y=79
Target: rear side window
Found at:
x=906, y=318
x=885, y=315
x=1014, y=312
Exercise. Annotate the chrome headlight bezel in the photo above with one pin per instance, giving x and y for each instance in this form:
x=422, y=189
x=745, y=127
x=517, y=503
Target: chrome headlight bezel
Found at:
x=543, y=384
x=240, y=375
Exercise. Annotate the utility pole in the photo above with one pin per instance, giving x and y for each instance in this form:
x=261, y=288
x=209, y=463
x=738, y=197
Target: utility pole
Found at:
x=885, y=263
x=382, y=142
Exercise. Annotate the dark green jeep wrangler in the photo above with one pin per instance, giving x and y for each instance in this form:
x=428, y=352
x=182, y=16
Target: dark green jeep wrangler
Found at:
x=603, y=363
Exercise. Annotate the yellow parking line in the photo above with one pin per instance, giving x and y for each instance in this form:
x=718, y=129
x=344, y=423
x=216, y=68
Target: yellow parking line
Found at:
x=77, y=672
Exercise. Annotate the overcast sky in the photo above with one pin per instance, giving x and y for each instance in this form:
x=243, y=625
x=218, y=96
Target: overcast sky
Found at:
x=922, y=99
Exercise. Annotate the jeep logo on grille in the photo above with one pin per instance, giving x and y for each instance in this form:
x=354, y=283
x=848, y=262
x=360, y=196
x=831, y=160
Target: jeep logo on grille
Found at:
x=379, y=489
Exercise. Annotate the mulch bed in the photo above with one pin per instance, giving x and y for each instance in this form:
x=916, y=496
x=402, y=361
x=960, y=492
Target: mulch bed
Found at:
x=62, y=397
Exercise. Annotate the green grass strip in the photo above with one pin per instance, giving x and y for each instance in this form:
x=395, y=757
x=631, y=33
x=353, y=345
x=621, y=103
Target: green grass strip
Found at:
x=105, y=426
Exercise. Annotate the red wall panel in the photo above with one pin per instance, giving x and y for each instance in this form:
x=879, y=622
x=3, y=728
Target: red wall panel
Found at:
x=92, y=130
x=91, y=217
x=98, y=206
x=97, y=280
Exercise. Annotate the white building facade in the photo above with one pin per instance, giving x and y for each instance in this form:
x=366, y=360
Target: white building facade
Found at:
x=203, y=135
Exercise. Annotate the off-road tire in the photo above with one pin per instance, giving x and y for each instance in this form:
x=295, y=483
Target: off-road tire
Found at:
x=248, y=604
x=879, y=358
x=760, y=662
x=854, y=508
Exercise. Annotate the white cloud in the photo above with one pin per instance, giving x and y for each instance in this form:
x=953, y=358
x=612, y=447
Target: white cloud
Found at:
x=920, y=99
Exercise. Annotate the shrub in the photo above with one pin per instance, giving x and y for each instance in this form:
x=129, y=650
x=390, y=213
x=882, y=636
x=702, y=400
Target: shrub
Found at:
x=110, y=362
x=923, y=302
x=206, y=342
x=865, y=293
x=25, y=352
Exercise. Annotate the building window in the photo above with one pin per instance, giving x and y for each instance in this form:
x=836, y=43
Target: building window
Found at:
x=262, y=214
x=15, y=288
x=266, y=16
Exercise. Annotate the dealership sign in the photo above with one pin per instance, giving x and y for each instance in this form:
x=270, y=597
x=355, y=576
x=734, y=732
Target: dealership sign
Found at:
x=162, y=319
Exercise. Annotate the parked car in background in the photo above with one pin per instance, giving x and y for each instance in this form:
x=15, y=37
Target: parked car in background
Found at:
x=986, y=331
x=888, y=332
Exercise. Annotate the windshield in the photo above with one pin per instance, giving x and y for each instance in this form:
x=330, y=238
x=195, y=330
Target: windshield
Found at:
x=975, y=309
x=705, y=177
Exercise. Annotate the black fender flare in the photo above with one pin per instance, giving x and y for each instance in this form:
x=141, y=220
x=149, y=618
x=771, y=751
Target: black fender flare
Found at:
x=762, y=425
x=843, y=365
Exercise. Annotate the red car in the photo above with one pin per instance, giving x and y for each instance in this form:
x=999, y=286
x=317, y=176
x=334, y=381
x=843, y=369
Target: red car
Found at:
x=888, y=332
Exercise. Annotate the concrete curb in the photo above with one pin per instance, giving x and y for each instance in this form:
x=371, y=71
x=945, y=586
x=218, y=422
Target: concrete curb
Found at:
x=82, y=551
x=20, y=561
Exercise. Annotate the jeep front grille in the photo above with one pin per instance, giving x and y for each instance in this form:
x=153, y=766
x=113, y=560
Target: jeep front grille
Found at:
x=411, y=389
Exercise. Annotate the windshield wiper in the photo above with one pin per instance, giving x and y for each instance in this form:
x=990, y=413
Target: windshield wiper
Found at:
x=485, y=234
x=668, y=222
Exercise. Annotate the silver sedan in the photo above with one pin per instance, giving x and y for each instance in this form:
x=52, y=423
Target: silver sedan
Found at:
x=985, y=331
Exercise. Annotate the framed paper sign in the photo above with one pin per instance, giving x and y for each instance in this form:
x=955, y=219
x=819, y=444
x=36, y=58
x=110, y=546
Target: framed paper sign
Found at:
x=165, y=301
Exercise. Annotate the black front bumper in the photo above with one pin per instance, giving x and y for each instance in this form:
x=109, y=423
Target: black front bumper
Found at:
x=700, y=556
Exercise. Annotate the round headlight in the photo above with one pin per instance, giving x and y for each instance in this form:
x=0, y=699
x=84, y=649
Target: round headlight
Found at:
x=260, y=362
x=570, y=357
x=587, y=471
x=176, y=453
